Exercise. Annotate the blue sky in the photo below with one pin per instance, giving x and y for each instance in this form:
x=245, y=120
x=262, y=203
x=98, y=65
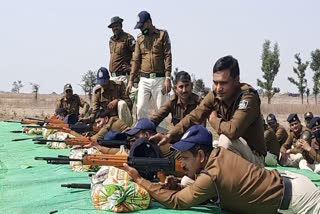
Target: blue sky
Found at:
x=55, y=42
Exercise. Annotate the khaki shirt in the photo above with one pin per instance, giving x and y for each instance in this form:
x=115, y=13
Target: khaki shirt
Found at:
x=291, y=141
x=314, y=154
x=248, y=189
x=271, y=141
x=73, y=105
x=176, y=108
x=121, y=49
x=241, y=119
x=152, y=54
x=102, y=97
x=282, y=134
x=114, y=124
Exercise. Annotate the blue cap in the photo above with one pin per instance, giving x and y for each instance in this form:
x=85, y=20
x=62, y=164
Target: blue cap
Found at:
x=143, y=16
x=292, y=118
x=271, y=118
x=102, y=75
x=114, y=135
x=195, y=135
x=144, y=124
x=315, y=121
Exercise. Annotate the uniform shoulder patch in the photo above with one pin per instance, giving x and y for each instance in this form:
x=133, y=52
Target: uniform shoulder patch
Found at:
x=243, y=104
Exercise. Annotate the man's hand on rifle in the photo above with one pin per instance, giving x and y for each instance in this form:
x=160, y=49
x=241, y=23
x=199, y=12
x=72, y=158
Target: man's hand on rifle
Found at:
x=133, y=173
x=91, y=144
x=172, y=183
x=161, y=139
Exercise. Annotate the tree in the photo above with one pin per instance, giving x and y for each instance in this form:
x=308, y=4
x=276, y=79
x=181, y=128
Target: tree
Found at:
x=35, y=90
x=308, y=94
x=16, y=86
x=270, y=68
x=88, y=82
x=300, y=71
x=200, y=88
x=315, y=66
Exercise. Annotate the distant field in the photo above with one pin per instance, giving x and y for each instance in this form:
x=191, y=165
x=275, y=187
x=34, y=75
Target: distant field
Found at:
x=18, y=106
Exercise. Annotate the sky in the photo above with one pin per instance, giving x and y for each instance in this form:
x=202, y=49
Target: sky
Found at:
x=55, y=42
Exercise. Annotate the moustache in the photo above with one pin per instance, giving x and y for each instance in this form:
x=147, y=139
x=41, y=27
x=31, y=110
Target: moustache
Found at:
x=185, y=169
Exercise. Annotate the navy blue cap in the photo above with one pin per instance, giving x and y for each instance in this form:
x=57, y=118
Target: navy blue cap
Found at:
x=114, y=135
x=271, y=118
x=308, y=115
x=144, y=124
x=315, y=121
x=102, y=75
x=195, y=135
x=292, y=118
x=143, y=16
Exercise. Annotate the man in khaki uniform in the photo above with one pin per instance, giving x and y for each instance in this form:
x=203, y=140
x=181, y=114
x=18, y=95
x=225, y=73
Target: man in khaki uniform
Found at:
x=233, y=109
x=290, y=154
x=181, y=104
x=307, y=118
x=273, y=146
x=152, y=57
x=121, y=48
x=110, y=95
x=311, y=150
x=231, y=182
x=106, y=123
x=281, y=133
x=72, y=102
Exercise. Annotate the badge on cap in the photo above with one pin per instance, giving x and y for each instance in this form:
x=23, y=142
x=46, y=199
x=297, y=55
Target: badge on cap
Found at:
x=100, y=74
x=185, y=135
x=243, y=104
x=138, y=19
x=269, y=118
x=317, y=123
x=308, y=114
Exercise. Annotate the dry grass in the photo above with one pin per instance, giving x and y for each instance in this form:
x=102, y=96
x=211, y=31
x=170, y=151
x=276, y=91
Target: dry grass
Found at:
x=18, y=106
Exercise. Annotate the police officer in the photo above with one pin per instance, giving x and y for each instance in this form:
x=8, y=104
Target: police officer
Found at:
x=72, y=102
x=152, y=56
x=307, y=118
x=110, y=95
x=290, y=154
x=121, y=48
x=311, y=151
x=279, y=130
x=181, y=104
x=273, y=146
x=233, y=109
x=232, y=182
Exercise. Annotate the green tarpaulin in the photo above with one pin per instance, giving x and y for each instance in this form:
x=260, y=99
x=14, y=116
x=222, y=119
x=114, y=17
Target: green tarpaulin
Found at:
x=30, y=186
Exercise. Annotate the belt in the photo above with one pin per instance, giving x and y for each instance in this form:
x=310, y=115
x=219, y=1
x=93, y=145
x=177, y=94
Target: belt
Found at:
x=120, y=73
x=152, y=75
x=287, y=194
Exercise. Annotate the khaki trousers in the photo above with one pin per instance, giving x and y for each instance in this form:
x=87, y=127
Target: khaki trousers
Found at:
x=150, y=88
x=305, y=195
x=124, y=113
x=240, y=147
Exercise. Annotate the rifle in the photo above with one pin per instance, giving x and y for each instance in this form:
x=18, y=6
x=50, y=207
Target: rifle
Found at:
x=147, y=167
x=84, y=141
x=22, y=139
x=77, y=186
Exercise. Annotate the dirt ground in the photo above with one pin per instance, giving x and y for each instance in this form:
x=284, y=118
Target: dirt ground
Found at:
x=17, y=106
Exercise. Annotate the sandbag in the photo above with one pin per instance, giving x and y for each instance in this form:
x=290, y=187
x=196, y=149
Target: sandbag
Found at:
x=118, y=193
x=77, y=153
x=58, y=136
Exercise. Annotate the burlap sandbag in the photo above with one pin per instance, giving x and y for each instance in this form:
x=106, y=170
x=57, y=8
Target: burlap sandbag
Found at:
x=77, y=153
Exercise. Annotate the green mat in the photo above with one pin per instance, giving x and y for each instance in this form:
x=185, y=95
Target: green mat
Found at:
x=29, y=186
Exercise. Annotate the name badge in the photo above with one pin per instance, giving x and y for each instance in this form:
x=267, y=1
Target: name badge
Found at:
x=153, y=75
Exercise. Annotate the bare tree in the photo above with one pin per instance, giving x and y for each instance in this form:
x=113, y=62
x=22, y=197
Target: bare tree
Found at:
x=35, y=90
x=16, y=86
x=315, y=66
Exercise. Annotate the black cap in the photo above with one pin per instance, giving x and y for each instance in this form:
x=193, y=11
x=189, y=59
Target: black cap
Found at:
x=308, y=115
x=143, y=17
x=114, y=20
x=102, y=113
x=271, y=119
x=292, y=118
x=315, y=121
